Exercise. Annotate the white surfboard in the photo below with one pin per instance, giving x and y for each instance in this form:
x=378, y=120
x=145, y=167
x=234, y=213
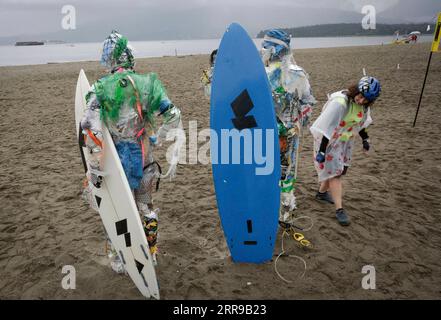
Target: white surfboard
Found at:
x=117, y=207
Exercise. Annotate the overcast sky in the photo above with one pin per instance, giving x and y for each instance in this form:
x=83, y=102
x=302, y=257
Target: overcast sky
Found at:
x=188, y=19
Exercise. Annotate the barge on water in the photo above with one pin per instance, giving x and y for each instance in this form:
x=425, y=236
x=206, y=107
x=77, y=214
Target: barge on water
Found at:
x=29, y=43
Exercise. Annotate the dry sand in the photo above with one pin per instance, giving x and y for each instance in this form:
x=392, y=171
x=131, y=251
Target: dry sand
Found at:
x=392, y=196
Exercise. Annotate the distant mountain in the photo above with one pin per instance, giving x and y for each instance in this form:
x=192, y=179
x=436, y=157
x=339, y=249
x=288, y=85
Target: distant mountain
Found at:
x=353, y=29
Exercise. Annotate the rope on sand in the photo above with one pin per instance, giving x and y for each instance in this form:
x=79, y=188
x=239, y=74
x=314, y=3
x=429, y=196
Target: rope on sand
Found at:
x=304, y=217
x=282, y=253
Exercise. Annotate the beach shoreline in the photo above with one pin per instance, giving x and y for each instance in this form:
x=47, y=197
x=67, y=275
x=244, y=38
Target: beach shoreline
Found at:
x=87, y=51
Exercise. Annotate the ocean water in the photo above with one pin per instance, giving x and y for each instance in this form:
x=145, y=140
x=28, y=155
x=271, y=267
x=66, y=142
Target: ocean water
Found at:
x=56, y=53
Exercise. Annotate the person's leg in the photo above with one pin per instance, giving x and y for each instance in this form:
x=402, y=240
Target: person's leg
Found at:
x=144, y=194
x=324, y=186
x=144, y=201
x=323, y=194
x=335, y=186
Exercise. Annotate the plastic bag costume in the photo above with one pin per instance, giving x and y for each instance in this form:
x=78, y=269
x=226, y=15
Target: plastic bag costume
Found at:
x=127, y=104
x=339, y=120
x=207, y=75
x=293, y=102
x=206, y=78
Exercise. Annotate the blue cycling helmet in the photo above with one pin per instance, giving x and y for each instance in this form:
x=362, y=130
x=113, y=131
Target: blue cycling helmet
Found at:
x=278, y=39
x=279, y=34
x=369, y=87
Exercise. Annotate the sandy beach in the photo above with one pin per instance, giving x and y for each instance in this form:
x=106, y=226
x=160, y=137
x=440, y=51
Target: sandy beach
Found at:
x=392, y=195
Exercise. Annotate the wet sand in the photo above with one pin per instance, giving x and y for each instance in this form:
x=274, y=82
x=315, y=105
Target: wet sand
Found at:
x=392, y=195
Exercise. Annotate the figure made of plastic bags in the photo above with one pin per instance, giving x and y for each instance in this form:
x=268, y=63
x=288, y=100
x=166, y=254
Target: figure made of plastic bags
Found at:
x=128, y=103
x=293, y=102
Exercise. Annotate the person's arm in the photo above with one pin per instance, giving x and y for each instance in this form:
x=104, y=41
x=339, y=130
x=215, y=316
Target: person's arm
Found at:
x=160, y=104
x=91, y=124
x=298, y=80
x=91, y=117
x=171, y=115
x=324, y=144
x=172, y=120
x=320, y=158
x=91, y=130
x=297, y=86
x=365, y=138
x=172, y=125
x=363, y=132
x=307, y=102
x=307, y=96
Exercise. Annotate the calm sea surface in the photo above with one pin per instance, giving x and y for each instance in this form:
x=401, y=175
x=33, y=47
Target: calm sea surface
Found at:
x=53, y=53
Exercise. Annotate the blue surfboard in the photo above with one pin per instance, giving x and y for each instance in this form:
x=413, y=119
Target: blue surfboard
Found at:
x=243, y=137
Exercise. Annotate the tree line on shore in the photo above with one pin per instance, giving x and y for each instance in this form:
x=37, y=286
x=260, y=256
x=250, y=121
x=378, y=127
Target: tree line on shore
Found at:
x=354, y=29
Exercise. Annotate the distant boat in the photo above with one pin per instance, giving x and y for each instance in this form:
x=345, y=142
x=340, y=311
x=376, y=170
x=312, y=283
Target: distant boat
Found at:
x=29, y=43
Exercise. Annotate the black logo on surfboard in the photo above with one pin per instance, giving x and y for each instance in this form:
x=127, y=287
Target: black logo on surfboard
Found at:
x=121, y=229
x=241, y=106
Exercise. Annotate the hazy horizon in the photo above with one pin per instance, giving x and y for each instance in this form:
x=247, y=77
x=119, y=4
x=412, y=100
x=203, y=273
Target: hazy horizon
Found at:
x=25, y=20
